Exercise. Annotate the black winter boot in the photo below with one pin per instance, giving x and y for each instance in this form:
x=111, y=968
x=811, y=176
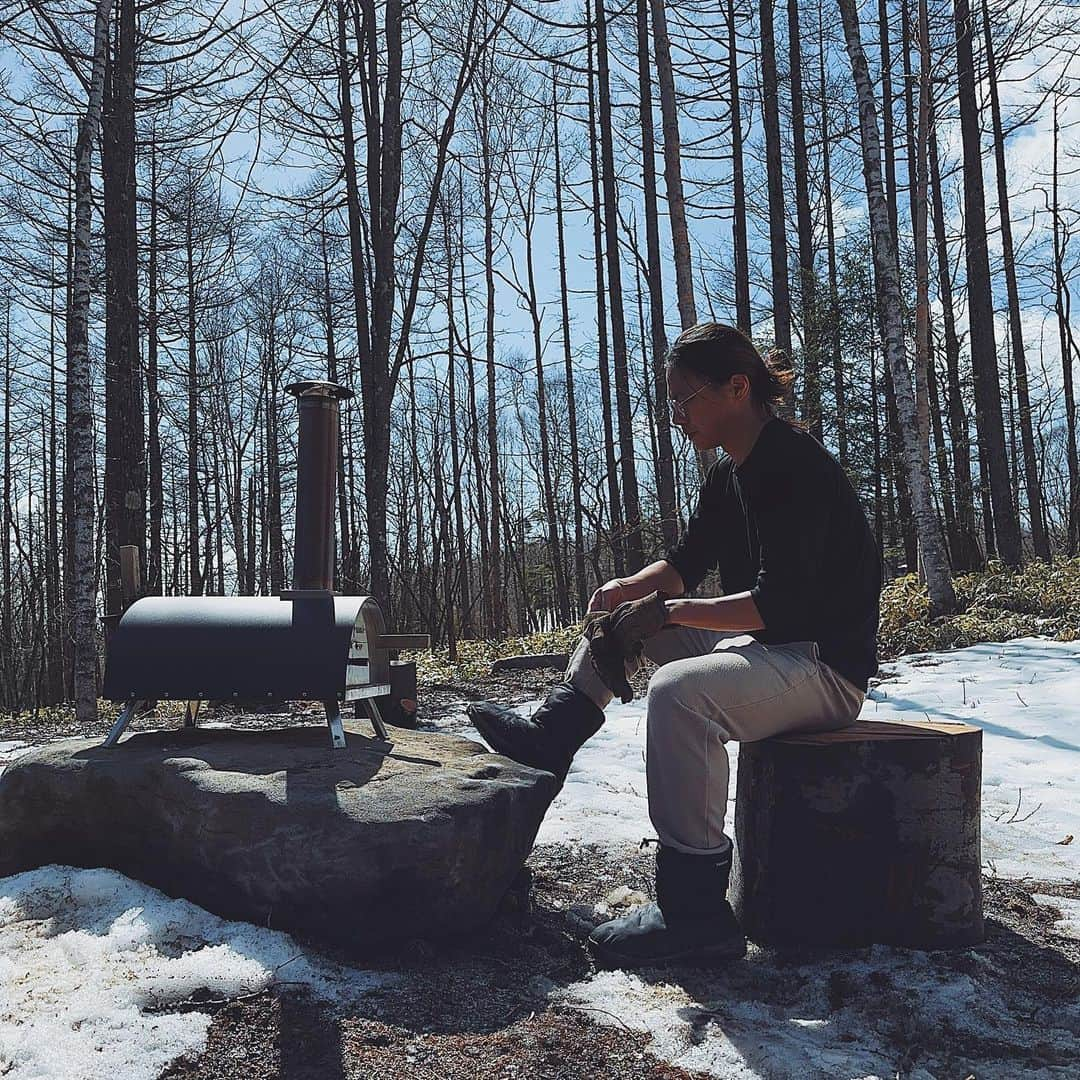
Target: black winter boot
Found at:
x=690, y=923
x=548, y=739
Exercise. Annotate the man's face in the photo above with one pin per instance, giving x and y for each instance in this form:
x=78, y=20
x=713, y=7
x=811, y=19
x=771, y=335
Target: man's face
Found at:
x=701, y=410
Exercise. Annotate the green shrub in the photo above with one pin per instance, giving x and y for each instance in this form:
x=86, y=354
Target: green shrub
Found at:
x=995, y=605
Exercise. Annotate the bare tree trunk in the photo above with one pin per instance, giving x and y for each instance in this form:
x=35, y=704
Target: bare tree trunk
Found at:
x=581, y=587
x=195, y=585
x=1039, y=540
x=125, y=455
x=347, y=575
x=156, y=494
x=618, y=549
x=922, y=268
x=179, y=585
x=219, y=518
x=811, y=351
x=493, y=595
x=980, y=302
x=7, y=641
x=743, y=315
x=474, y=437
x=917, y=134
x=252, y=550
x=647, y=369
x=459, y=596
x=665, y=463
x=53, y=593
x=680, y=234
x=80, y=391
x=414, y=508
x=935, y=558
x=635, y=552
x=442, y=563
x=875, y=416
x=69, y=517
x=272, y=519
x=562, y=597
x=1061, y=297
x=357, y=266
x=833, y=313
x=774, y=168
x=941, y=453
x=965, y=545
x=907, y=526
x=916, y=155
x=383, y=135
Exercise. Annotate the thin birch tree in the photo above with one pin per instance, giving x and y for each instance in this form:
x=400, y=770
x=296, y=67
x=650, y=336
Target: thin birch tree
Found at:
x=935, y=559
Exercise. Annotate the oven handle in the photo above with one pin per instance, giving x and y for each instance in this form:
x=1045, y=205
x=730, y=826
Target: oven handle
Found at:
x=400, y=641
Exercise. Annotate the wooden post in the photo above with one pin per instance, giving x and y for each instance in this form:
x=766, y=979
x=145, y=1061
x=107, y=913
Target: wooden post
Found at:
x=130, y=576
x=868, y=834
x=130, y=588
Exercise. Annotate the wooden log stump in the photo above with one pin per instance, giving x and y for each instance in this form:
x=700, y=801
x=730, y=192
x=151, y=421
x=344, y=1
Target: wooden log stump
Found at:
x=869, y=834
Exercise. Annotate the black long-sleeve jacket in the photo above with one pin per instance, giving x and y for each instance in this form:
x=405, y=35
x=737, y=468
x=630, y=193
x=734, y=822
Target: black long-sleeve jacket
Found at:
x=787, y=526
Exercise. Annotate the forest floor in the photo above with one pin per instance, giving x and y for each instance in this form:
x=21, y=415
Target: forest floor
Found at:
x=521, y=998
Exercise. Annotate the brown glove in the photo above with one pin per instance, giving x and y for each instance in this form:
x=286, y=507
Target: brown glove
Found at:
x=617, y=636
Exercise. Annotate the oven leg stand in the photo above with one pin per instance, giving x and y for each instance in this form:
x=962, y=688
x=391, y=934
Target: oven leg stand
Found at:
x=377, y=720
x=333, y=720
x=122, y=721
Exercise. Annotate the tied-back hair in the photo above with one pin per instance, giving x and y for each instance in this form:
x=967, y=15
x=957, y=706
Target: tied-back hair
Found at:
x=715, y=352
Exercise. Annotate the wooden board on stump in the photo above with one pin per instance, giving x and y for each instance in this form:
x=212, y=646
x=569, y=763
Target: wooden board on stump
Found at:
x=868, y=834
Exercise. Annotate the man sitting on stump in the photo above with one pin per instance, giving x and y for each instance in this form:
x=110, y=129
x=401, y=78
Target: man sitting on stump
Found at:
x=800, y=571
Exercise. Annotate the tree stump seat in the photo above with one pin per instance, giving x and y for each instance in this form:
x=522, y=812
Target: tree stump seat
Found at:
x=863, y=835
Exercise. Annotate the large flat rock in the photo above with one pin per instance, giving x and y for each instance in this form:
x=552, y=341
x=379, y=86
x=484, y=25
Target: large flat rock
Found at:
x=419, y=836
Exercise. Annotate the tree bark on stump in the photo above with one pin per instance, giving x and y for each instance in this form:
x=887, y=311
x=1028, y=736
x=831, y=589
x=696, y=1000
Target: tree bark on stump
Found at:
x=868, y=834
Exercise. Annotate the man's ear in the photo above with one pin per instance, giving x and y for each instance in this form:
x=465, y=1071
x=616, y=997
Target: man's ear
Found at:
x=740, y=386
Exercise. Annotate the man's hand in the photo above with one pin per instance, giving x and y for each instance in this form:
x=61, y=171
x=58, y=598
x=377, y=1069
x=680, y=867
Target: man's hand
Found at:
x=619, y=635
x=609, y=596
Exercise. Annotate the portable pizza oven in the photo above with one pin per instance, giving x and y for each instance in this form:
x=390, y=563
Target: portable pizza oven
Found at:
x=305, y=645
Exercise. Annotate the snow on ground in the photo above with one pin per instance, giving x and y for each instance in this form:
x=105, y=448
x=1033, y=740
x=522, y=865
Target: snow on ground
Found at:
x=1069, y=923
x=9, y=751
x=87, y=956
x=1024, y=694
x=837, y=1017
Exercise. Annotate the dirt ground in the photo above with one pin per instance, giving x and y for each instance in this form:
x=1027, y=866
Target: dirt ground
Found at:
x=482, y=1007
x=488, y=1006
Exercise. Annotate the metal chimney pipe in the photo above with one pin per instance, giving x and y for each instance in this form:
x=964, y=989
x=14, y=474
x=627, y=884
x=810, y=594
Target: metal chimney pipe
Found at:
x=316, y=478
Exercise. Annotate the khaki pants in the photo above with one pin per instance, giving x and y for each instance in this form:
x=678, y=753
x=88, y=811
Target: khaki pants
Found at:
x=712, y=687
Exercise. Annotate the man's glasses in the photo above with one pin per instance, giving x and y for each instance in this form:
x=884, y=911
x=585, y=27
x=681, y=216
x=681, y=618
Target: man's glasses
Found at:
x=678, y=408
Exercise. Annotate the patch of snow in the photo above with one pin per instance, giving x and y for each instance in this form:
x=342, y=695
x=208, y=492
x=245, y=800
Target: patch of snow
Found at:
x=86, y=956
x=1025, y=695
x=1068, y=908
x=735, y=1025
x=10, y=750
